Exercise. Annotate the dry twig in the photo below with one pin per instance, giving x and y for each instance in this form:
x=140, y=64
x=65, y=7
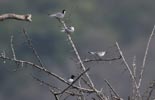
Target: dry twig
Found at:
x=130, y=72
x=113, y=90
x=29, y=41
x=12, y=47
x=74, y=81
x=100, y=59
x=145, y=56
x=44, y=70
x=100, y=96
x=26, y=17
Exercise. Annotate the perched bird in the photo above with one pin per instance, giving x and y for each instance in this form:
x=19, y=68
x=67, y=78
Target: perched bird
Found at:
x=69, y=29
x=58, y=15
x=99, y=53
x=71, y=79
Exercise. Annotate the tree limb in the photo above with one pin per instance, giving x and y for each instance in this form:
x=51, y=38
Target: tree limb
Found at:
x=27, y=17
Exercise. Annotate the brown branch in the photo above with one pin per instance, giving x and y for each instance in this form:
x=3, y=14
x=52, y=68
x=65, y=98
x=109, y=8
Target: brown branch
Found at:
x=26, y=17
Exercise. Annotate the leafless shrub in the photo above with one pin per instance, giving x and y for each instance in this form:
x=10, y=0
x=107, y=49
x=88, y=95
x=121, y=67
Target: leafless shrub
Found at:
x=80, y=92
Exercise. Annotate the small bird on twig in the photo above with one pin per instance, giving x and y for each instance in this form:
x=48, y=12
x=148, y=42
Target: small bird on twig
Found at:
x=99, y=53
x=69, y=29
x=71, y=79
x=58, y=15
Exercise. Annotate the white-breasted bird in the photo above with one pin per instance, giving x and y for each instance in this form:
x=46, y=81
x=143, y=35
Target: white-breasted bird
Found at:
x=71, y=79
x=58, y=15
x=98, y=53
x=69, y=29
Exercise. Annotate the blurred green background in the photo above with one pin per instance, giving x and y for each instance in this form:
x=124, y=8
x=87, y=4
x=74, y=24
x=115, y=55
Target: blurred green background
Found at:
x=98, y=24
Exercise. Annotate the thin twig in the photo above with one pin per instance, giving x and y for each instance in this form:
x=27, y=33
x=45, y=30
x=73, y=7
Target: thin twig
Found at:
x=12, y=47
x=145, y=56
x=82, y=97
x=76, y=52
x=100, y=59
x=44, y=83
x=150, y=93
x=134, y=73
x=79, y=58
x=98, y=93
x=13, y=52
x=80, y=62
x=46, y=71
x=32, y=47
x=56, y=96
x=134, y=66
x=3, y=56
x=113, y=90
x=53, y=87
x=126, y=65
x=26, y=17
x=74, y=81
x=152, y=87
x=130, y=72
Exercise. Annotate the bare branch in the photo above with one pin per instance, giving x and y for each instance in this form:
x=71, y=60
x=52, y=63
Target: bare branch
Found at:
x=152, y=87
x=134, y=94
x=79, y=58
x=3, y=56
x=56, y=96
x=145, y=56
x=100, y=59
x=82, y=97
x=74, y=81
x=46, y=71
x=54, y=87
x=130, y=72
x=45, y=83
x=26, y=17
x=29, y=41
x=126, y=64
x=12, y=47
x=101, y=97
x=113, y=90
x=134, y=66
x=76, y=52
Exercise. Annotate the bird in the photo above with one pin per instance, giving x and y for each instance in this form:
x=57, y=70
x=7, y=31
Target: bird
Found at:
x=58, y=15
x=99, y=53
x=69, y=29
x=71, y=79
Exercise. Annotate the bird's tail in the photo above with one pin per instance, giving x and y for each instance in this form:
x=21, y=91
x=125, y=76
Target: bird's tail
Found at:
x=62, y=30
x=51, y=15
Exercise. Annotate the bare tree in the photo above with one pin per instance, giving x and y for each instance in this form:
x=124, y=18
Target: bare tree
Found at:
x=83, y=79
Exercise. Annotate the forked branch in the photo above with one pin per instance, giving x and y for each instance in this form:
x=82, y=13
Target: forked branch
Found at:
x=145, y=56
